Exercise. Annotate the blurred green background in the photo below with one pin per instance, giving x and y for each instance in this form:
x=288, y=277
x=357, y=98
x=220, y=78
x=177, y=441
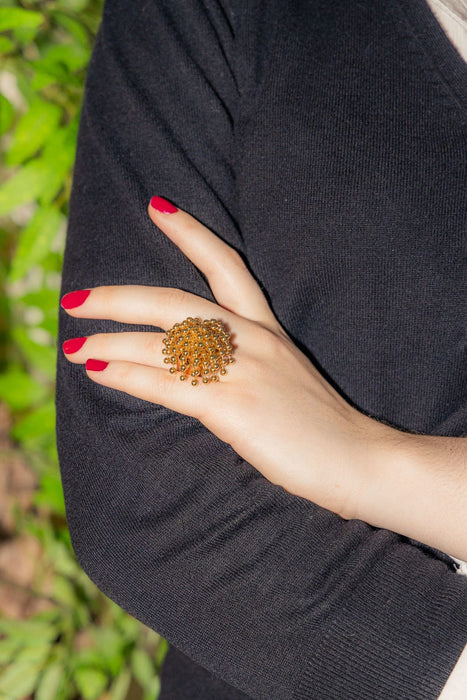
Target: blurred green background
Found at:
x=60, y=638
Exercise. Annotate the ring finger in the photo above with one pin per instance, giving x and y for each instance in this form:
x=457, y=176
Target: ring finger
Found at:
x=142, y=348
x=155, y=306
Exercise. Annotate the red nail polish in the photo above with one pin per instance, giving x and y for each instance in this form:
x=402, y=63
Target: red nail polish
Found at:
x=74, y=299
x=73, y=345
x=96, y=365
x=162, y=205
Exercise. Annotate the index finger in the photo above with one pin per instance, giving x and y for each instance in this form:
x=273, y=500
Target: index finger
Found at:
x=232, y=284
x=154, y=306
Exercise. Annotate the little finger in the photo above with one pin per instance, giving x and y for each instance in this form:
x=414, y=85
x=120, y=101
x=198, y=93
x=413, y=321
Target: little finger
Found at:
x=157, y=386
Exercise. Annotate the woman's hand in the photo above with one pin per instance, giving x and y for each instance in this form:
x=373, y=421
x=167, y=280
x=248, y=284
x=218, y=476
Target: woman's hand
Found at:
x=273, y=407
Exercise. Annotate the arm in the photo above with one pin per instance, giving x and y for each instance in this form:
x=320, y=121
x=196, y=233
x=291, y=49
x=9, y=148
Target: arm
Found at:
x=276, y=410
x=267, y=590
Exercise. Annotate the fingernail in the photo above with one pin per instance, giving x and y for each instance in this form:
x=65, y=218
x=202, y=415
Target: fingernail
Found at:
x=74, y=299
x=96, y=365
x=73, y=345
x=162, y=205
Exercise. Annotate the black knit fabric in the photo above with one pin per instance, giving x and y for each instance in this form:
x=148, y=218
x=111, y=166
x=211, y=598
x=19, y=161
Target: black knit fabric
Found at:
x=326, y=141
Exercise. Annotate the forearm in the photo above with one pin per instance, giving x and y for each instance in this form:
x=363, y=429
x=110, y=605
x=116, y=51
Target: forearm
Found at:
x=419, y=489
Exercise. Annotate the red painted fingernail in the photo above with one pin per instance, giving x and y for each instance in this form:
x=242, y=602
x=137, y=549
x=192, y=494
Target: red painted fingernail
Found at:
x=162, y=205
x=73, y=345
x=74, y=299
x=96, y=365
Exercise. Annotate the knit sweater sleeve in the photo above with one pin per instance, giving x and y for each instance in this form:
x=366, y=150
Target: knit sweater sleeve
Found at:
x=278, y=597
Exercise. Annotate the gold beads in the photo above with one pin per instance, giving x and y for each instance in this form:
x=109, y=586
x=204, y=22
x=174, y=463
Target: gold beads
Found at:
x=198, y=348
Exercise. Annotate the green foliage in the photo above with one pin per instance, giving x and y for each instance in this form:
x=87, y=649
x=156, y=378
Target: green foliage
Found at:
x=82, y=645
x=12, y=18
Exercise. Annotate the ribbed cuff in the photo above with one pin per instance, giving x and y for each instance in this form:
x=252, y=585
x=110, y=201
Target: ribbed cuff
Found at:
x=397, y=638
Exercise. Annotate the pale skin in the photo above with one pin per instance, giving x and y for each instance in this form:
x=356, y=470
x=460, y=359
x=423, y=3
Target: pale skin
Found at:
x=273, y=406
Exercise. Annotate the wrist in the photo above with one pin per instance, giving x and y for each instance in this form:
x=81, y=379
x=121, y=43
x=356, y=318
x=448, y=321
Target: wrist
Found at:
x=380, y=450
x=419, y=489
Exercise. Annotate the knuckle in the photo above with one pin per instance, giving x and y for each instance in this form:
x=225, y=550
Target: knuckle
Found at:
x=177, y=297
x=212, y=409
x=160, y=386
x=232, y=261
x=234, y=257
x=152, y=344
x=100, y=345
x=268, y=351
x=108, y=295
x=121, y=372
x=272, y=345
x=95, y=343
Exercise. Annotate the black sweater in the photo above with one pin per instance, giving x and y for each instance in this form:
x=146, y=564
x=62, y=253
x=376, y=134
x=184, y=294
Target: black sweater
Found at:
x=326, y=141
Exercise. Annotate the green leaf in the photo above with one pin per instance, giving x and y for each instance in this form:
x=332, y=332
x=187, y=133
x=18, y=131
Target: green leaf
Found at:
x=25, y=35
x=90, y=682
x=72, y=56
x=88, y=658
x=75, y=5
x=162, y=649
x=121, y=685
x=7, y=113
x=19, y=679
x=33, y=130
x=74, y=28
x=59, y=153
x=50, y=325
x=6, y=45
x=25, y=185
x=152, y=690
x=128, y=627
x=42, y=79
x=64, y=562
x=40, y=423
x=43, y=177
x=8, y=650
x=47, y=72
x=23, y=78
x=16, y=17
x=31, y=633
x=50, y=495
x=51, y=682
x=45, y=299
x=110, y=645
x=143, y=667
x=64, y=592
x=35, y=241
x=19, y=390
x=34, y=654
x=41, y=357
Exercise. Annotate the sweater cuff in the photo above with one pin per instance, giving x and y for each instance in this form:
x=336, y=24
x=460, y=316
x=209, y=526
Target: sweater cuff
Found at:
x=399, y=636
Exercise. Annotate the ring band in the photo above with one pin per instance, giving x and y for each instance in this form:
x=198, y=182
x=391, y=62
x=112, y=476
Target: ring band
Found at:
x=198, y=349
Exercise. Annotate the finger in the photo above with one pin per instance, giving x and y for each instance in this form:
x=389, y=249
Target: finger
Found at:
x=231, y=282
x=155, y=306
x=140, y=348
x=158, y=386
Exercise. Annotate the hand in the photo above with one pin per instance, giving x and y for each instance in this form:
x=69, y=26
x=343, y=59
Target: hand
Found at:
x=273, y=407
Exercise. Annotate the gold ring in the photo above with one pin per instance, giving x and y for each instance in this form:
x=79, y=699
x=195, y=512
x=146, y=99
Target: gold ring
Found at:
x=198, y=349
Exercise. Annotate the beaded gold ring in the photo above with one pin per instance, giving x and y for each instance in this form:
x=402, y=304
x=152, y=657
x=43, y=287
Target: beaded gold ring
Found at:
x=198, y=349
